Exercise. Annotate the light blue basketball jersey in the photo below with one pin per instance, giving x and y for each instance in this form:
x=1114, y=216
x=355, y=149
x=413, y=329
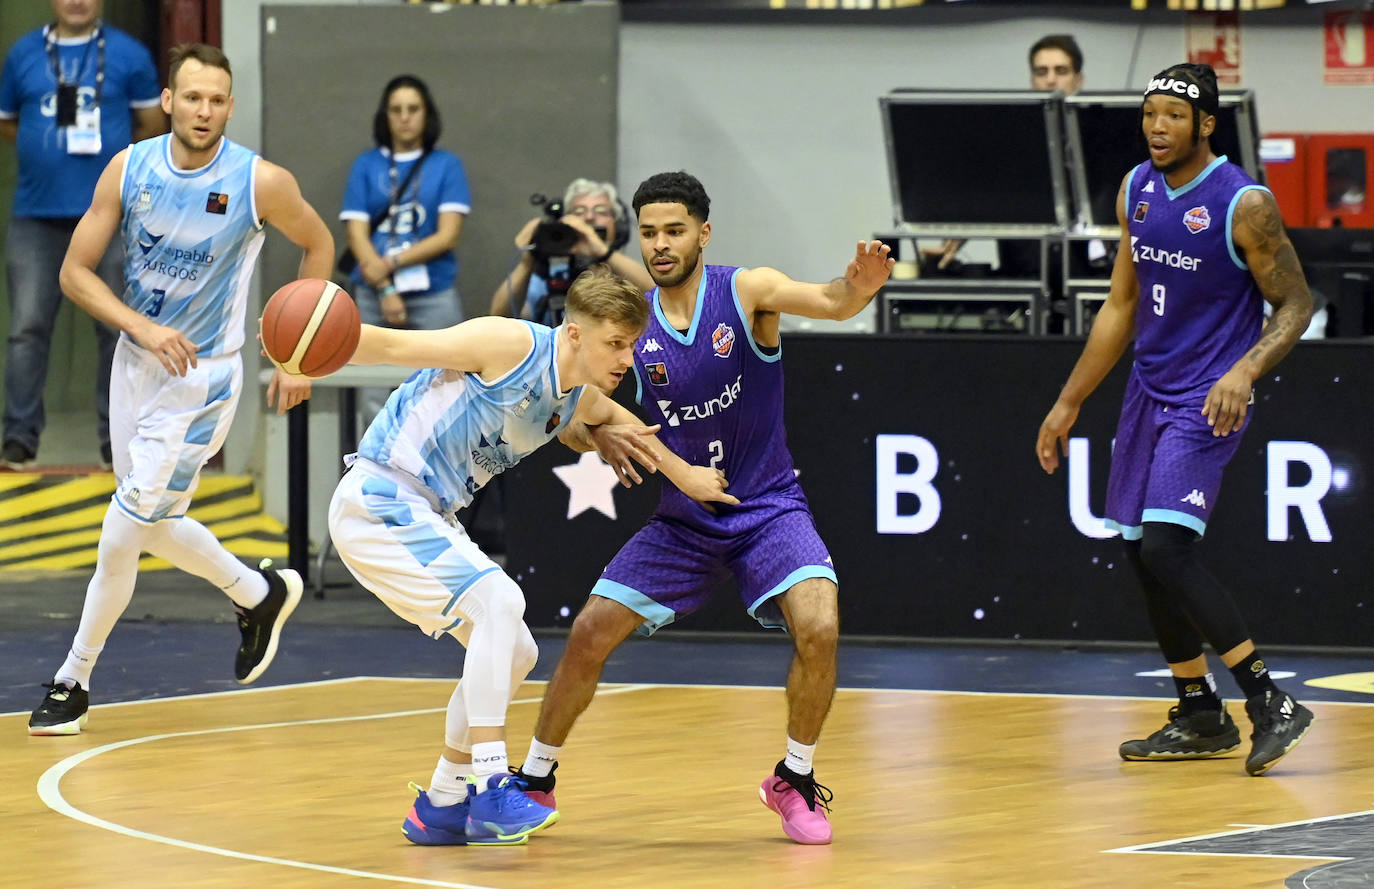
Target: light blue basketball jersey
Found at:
x=191, y=238
x=454, y=432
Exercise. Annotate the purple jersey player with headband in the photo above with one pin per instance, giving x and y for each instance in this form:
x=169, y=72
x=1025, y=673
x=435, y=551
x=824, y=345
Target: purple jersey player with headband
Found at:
x=1202, y=248
x=709, y=372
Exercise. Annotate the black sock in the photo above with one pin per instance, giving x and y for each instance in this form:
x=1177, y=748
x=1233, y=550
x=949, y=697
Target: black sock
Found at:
x=1253, y=676
x=1197, y=693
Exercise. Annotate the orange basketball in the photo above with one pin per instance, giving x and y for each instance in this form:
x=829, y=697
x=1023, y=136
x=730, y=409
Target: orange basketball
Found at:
x=310, y=328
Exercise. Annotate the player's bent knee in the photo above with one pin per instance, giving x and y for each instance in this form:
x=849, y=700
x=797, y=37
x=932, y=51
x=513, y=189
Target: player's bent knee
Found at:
x=526, y=652
x=493, y=598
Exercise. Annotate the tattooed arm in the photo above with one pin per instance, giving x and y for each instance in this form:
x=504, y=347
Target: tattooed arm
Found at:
x=1257, y=231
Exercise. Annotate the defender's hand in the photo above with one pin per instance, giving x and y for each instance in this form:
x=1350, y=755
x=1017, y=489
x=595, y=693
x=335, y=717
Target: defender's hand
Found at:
x=624, y=444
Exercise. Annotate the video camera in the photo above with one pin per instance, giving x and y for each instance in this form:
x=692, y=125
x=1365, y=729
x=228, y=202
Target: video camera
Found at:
x=553, y=236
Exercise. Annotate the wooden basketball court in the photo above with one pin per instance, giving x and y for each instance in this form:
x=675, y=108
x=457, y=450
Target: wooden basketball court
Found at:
x=305, y=786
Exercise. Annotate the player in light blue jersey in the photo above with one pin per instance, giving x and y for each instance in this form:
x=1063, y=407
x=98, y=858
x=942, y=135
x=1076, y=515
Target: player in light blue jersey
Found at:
x=709, y=365
x=1202, y=247
x=191, y=207
x=491, y=392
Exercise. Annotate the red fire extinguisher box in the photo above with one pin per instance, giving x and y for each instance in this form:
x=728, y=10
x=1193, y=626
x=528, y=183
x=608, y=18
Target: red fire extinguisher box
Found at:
x=1340, y=167
x=1321, y=180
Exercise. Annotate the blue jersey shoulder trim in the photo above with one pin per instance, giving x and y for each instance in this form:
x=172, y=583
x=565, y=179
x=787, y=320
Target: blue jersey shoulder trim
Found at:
x=1230, y=239
x=748, y=327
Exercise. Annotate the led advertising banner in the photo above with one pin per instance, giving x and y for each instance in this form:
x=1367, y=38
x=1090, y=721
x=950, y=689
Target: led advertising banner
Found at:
x=917, y=456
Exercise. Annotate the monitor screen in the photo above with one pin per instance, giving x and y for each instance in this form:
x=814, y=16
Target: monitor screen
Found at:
x=1105, y=132
x=973, y=160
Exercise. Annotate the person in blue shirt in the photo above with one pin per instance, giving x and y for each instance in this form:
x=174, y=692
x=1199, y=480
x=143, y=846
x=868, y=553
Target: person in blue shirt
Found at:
x=404, y=208
x=1202, y=250
x=191, y=209
x=72, y=94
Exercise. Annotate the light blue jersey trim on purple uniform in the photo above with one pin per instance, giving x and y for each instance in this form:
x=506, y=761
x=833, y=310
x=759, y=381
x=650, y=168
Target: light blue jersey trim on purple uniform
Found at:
x=805, y=572
x=744, y=320
x=1230, y=237
x=655, y=616
x=1193, y=183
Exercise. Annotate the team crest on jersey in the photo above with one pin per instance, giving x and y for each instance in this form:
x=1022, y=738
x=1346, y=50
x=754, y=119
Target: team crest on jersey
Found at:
x=658, y=373
x=1141, y=208
x=1197, y=219
x=550, y=426
x=144, y=202
x=217, y=202
x=723, y=340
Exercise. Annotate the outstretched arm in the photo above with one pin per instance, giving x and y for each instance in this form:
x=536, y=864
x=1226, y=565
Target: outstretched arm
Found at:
x=487, y=346
x=1257, y=229
x=597, y=411
x=769, y=290
x=1111, y=333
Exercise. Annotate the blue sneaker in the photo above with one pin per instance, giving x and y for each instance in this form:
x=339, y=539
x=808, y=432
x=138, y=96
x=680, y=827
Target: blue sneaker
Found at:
x=504, y=812
x=431, y=825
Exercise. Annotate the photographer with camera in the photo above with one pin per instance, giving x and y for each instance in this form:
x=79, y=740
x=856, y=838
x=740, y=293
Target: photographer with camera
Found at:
x=588, y=226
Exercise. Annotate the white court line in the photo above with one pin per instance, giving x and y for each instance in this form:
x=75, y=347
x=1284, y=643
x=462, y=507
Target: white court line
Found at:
x=50, y=792
x=1162, y=845
x=866, y=688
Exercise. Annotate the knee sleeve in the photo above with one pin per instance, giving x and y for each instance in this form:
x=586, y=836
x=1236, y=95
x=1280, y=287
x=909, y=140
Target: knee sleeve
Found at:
x=1169, y=553
x=495, y=598
x=1178, y=639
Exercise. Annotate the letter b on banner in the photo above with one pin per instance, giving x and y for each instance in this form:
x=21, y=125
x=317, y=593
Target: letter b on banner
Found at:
x=892, y=483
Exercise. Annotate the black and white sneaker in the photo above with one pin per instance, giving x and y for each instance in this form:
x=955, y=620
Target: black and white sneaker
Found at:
x=16, y=456
x=1280, y=723
x=261, y=626
x=1198, y=735
x=62, y=712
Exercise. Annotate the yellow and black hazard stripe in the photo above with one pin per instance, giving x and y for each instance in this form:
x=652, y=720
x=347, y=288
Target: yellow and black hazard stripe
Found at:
x=52, y=523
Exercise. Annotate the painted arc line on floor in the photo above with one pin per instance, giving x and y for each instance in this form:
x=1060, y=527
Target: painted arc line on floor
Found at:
x=49, y=790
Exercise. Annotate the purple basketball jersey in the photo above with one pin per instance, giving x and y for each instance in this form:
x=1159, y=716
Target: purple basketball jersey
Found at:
x=1200, y=309
x=718, y=396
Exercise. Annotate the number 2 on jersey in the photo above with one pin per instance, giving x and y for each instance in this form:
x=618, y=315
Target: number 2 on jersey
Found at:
x=717, y=450
x=1157, y=293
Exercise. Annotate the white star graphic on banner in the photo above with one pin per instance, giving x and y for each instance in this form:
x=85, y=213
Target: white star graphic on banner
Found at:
x=591, y=485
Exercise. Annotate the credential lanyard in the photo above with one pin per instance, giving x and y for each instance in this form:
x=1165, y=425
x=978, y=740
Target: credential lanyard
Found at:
x=50, y=38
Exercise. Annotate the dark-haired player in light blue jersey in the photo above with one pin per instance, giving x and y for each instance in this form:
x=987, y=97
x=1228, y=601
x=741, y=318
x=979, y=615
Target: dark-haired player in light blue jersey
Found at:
x=1202, y=248
x=709, y=372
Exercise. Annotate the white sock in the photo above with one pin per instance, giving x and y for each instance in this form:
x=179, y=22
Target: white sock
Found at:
x=540, y=760
x=190, y=546
x=488, y=758
x=449, y=785
x=107, y=595
x=799, y=757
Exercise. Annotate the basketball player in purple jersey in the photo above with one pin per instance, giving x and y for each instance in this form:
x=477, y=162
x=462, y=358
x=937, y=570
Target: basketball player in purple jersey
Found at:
x=709, y=373
x=1202, y=247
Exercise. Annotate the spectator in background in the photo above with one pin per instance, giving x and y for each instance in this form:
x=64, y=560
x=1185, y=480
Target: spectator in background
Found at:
x=537, y=285
x=1056, y=63
x=72, y=95
x=403, y=209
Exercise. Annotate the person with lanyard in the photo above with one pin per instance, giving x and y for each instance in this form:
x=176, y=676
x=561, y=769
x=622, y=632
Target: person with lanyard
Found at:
x=403, y=208
x=72, y=94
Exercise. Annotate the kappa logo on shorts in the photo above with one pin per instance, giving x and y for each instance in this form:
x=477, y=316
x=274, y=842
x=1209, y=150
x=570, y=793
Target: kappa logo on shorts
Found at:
x=1141, y=209
x=1196, y=498
x=723, y=340
x=1197, y=219
x=658, y=373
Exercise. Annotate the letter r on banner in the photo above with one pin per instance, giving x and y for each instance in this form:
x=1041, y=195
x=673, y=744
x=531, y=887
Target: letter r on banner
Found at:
x=1306, y=498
